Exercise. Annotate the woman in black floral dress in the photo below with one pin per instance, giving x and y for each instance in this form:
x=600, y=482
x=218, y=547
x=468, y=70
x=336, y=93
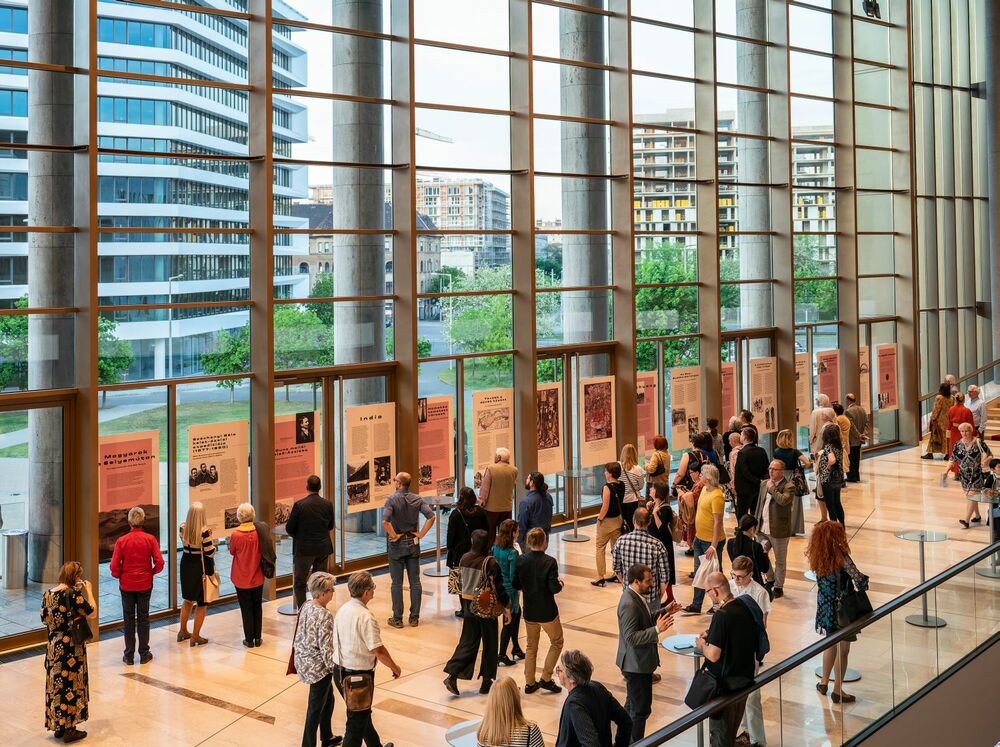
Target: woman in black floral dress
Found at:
x=66, y=687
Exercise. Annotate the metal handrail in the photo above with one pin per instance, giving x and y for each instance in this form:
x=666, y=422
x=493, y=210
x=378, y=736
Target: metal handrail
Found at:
x=681, y=725
x=995, y=363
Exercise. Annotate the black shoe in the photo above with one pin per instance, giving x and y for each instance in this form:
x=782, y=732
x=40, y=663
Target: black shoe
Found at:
x=598, y=582
x=257, y=642
x=459, y=613
x=778, y=592
x=964, y=523
x=128, y=660
x=517, y=655
x=58, y=733
x=451, y=684
x=333, y=741
x=505, y=661
x=612, y=579
x=927, y=456
x=146, y=657
x=691, y=610
x=529, y=689
x=689, y=553
x=976, y=519
x=395, y=622
x=73, y=735
x=549, y=685
x=484, y=689
x=248, y=644
x=414, y=621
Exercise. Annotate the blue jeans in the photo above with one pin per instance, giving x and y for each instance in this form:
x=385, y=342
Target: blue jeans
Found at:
x=405, y=553
x=699, y=547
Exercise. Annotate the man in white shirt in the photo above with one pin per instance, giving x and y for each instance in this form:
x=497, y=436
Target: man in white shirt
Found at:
x=357, y=644
x=977, y=407
x=743, y=584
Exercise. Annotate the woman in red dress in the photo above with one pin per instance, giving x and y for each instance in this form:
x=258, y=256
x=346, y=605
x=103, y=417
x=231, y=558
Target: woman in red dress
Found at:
x=958, y=413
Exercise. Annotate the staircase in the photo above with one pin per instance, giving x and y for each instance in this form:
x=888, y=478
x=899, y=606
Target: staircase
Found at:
x=992, y=418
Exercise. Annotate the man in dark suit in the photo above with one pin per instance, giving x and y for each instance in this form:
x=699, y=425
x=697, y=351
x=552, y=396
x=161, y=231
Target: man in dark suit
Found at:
x=751, y=469
x=537, y=575
x=309, y=526
x=589, y=709
x=638, y=639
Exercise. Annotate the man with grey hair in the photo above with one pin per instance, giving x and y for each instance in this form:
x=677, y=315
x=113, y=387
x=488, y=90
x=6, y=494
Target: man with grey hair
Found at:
x=134, y=561
x=589, y=709
x=496, y=493
x=357, y=645
x=399, y=520
x=977, y=407
x=774, y=521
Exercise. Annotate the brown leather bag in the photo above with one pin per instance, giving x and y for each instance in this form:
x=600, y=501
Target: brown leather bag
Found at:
x=359, y=690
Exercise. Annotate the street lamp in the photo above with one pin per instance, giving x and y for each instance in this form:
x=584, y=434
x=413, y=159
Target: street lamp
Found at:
x=170, y=324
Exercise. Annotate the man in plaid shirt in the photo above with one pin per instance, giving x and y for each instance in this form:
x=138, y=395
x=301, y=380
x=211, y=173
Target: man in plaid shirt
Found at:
x=639, y=546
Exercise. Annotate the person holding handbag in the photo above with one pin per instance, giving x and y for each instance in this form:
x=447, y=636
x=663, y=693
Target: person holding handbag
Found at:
x=467, y=517
x=313, y=659
x=796, y=463
x=632, y=478
x=657, y=466
x=481, y=583
x=830, y=466
x=66, y=611
x=357, y=646
x=197, y=564
x=830, y=558
x=609, y=520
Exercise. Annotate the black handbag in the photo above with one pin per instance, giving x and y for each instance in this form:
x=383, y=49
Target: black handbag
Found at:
x=852, y=603
x=703, y=688
x=79, y=628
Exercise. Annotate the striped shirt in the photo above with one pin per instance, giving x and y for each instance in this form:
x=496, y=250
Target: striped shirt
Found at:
x=528, y=735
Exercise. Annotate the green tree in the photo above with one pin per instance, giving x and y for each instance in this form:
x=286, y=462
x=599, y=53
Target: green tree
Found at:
x=323, y=288
x=231, y=356
x=114, y=356
x=669, y=310
x=440, y=284
x=301, y=338
x=819, y=293
x=14, y=348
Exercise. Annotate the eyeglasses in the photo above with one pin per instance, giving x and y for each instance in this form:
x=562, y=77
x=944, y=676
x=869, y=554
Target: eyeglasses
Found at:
x=558, y=669
x=740, y=576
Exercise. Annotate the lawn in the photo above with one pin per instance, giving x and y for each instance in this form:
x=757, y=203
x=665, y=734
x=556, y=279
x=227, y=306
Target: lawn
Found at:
x=13, y=421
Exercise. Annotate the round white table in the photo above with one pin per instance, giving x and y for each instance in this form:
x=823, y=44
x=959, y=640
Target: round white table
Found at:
x=682, y=644
x=463, y=734
x=923, y=620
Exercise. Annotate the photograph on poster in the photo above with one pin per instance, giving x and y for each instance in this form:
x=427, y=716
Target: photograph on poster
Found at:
x=356, y=472
x=220, y=450
x=494, y=419
x=678, y=417
x=113, y=524
x=426, y=475
x=231, y=522
x=693, y=429
x=548, y=419
x=304, y=433
x=128, y=475
x=358, y=494
x=492, y=426
x=422, y=410
x=281, y=513
x=383, y=470
x=435, y=443
x=598, y=405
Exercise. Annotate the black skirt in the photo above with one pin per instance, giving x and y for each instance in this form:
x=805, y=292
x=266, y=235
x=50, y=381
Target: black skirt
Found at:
x=191, y=588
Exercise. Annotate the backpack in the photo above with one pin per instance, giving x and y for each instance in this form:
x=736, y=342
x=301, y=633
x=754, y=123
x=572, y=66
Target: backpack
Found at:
x=763, y=642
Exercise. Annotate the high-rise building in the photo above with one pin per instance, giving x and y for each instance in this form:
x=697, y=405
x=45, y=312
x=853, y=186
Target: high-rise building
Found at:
x=470, y=204
x=145, y=185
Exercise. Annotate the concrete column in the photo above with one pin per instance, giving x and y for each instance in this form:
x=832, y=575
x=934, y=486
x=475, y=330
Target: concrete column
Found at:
x=359, y=195
x=583, y=93
x=50, y=278
x=753, y=202
x=993, y=149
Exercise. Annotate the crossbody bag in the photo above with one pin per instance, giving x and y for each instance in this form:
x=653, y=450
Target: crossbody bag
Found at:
x=358, y=687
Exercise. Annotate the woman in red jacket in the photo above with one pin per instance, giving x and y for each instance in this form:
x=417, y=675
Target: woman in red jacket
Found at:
x=134, y=562
x=245, y=547
x=958, y=413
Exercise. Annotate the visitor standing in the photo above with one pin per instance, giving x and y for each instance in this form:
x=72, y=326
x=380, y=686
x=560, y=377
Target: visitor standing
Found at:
x=609, y=519
x=744, y=543
x=357, y=643
x=309, y=525
x=958, y=414
x=535, y=509
x=713, y=430
x=537, y=576
x=709, y=534
x=751, y=471
x=729, y=647
x=197, y=561
x=937, y=440
x=844, y=423
x=657, y=466
x=639, y=629
x=971, y=458
x=831, y=472
x=978, y=409
x=467, y=517
x=400, y=520
x=246, y=574
x=134, y=561
x=796, y=463
x=664, y=525
x=743, y=585
x=776, y=520
x=496, y=493
x=632, y=479
x=589, y=709
x=67, y=683
x=639, y=547
x=506, y=556
x=858, y=435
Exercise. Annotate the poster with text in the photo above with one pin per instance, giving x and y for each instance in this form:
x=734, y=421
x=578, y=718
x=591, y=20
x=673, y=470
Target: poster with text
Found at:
x=296, y=456
x=865, y=376
x=218, y=458
x=685, y=405
x=369, y=455
x=436, y=445
x=803, y=389
x=729, y=404
x=764, y=393
x=597, y=418
x=549, y=435
x=645, y=410
x=128, y=476
x=492, y=428
x=885, y=363
x=828, y=373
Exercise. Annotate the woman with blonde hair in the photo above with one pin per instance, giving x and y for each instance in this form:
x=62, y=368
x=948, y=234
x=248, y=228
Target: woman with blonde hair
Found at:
x=197, y=560
x=632, y=478
x=796, y=463
x=504, y=724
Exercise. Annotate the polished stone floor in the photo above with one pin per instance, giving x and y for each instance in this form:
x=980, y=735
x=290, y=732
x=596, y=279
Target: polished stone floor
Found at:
x=223, y=694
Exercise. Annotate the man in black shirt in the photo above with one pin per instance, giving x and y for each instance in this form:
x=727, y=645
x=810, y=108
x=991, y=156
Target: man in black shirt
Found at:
x=751, y=469
x=537, y=575
x=309, y=525
x=589, y=709
x=729, y=648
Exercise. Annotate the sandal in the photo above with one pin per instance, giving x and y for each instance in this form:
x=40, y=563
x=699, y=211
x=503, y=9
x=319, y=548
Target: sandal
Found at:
x=822, y=688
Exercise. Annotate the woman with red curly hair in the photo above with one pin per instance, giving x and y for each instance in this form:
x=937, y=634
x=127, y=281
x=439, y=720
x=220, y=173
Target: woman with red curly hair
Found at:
x=830, y=558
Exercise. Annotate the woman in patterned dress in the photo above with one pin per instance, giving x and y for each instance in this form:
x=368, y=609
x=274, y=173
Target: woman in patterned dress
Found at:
x=969, y=457
x=66, y=687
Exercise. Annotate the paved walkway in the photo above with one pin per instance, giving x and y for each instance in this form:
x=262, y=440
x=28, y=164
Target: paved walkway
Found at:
x=15, y=438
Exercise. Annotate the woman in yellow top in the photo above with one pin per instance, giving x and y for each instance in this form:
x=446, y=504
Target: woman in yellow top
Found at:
x=709, y=535
x=940, y=423
x=845, y=433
